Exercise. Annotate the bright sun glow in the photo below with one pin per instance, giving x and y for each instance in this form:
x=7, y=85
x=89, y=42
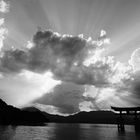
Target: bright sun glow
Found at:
x=41, y=84
x=44, y=82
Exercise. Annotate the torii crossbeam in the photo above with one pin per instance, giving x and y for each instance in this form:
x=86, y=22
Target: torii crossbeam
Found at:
x=135, y=111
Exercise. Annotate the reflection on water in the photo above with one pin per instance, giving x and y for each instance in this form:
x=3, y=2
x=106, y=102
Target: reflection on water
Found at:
x=53, y=131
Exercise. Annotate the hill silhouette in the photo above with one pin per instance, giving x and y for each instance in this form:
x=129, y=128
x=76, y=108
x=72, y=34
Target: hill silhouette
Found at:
x=102, y=117
x=33, y=116
x=13, y=115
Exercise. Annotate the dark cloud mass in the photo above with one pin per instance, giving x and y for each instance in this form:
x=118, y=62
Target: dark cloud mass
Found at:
x=63, y=55
x=66, y=97
x=13, y=61
x=53, y=51
x=135, y=84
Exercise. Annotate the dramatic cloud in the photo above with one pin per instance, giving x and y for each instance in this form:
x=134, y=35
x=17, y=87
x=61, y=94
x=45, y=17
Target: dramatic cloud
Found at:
x=25, y=87
x=135, y=60
x=66, y=97
x=132, y=85
x=3, y=9
x=70, y=58
x=67, y=73
x=64, y=74
x=86, y=106
x=75, y=64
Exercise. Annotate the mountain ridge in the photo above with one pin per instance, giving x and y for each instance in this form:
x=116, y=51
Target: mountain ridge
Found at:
x=33, y=116
x=12, y=115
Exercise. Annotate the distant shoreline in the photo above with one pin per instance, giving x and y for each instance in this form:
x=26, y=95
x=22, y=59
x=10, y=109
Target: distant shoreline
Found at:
x=32, y=116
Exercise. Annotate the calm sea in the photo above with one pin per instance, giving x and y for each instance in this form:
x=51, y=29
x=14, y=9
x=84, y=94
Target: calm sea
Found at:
x=55, y=131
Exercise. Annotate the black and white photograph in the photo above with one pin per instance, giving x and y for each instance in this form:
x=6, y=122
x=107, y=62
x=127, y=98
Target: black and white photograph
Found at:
x=69, y=69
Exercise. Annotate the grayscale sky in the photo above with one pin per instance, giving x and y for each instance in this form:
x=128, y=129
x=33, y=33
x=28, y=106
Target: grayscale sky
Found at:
x=68, y=73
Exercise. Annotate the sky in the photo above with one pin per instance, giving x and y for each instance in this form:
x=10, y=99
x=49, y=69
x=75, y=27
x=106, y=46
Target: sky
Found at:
x=66, y=56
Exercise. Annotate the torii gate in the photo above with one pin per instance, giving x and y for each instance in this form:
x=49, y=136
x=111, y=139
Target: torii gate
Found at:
x=135, y=111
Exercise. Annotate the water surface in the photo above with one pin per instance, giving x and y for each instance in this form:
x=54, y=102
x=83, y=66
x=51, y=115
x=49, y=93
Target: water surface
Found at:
x=53, y=131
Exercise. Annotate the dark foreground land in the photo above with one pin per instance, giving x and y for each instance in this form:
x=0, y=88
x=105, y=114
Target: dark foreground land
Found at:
x=13, y=115
x=33, y=116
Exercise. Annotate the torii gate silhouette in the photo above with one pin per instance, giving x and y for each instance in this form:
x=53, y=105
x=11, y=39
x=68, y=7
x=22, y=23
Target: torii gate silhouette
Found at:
x=135, y=111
